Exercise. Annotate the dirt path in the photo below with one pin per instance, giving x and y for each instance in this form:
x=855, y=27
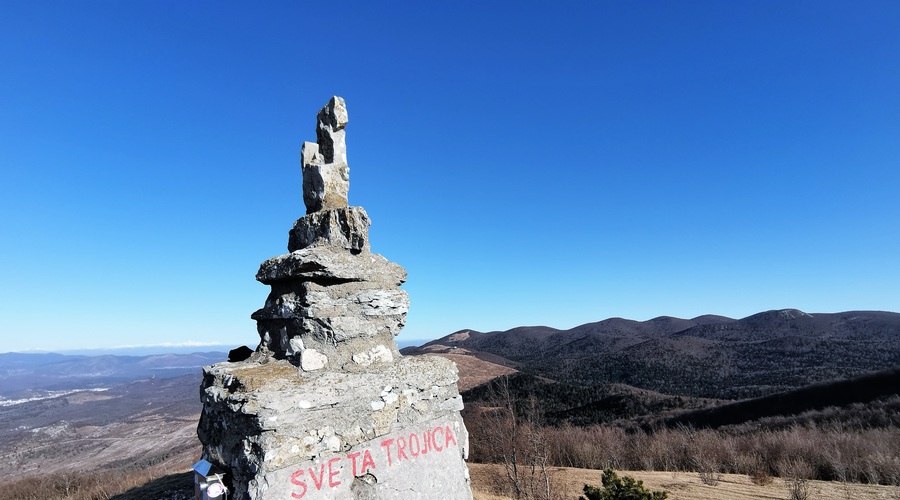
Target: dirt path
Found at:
x=568, y=483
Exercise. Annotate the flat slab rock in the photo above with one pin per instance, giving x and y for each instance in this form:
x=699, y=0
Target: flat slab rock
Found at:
x=327, y=263
x=390, y=433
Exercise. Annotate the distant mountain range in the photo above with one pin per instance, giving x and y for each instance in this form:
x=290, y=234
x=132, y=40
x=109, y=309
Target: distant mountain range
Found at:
x=29, y=376
x=707, y=356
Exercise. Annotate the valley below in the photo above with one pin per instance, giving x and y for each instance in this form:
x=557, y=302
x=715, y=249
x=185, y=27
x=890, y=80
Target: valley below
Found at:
x=131, y=426
x=94, y=426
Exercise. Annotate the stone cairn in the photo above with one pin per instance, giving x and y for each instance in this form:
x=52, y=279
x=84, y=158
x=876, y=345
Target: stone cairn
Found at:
x=327, y=407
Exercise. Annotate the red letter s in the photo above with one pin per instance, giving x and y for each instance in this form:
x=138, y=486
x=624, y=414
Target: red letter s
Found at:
x=299, y=482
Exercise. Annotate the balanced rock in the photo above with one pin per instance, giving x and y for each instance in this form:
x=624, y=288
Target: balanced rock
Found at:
x=326, y=175
x=327, y=408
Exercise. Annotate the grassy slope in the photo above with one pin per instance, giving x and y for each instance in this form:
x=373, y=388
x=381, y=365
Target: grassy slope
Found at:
x=567, y=482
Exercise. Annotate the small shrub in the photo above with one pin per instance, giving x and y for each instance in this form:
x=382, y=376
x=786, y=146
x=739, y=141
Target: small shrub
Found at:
x=624, y=488
x=710, y=477
x=710, y=474
x=760, y=478
x=799, y=489
x=796, y=474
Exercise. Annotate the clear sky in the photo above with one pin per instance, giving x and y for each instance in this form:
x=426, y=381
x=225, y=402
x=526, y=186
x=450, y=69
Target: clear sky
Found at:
x=529, y=163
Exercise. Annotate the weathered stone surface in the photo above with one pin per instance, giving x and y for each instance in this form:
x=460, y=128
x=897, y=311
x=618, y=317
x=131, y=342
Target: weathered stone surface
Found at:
x=270, y=421
x=329, y=264
x=326, y=175
x=417, y=462
x=346, y=228
x=341, y=328
x=355, y=300
x=286, y=339
x=377, y=354
x=325, y=186
x=327, y=315
x=330, y=133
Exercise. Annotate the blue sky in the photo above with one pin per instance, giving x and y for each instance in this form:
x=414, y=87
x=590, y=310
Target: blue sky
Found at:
x=527, y=162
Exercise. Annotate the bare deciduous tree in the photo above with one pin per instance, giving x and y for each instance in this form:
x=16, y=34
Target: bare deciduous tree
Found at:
x=511, y=433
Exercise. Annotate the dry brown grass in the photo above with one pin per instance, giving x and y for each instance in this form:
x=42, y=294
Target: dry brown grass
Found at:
x=863, y=456
x=568, y=483
x=472, y=370
x=170, y=479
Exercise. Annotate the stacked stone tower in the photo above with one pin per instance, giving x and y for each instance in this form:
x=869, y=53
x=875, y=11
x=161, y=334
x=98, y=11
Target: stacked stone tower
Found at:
x=333, y=303
x=327, y=407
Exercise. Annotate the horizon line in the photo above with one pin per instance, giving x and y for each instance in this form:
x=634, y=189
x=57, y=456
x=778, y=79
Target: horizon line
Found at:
x=126, y=346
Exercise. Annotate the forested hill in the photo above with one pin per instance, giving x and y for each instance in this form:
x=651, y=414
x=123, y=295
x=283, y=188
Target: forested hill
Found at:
x=707, y=356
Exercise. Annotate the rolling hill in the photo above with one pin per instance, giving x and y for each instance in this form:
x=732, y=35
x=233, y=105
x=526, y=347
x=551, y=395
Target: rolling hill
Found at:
x=708, y=356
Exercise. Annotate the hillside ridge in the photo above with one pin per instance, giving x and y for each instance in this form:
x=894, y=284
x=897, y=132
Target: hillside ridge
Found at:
x=708, y=356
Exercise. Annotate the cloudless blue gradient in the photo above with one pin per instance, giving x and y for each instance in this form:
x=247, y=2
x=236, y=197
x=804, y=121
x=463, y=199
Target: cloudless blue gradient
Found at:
x=549, y=163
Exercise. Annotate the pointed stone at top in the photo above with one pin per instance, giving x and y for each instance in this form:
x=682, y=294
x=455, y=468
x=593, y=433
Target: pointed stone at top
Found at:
x=326, y=175
x=330, y=131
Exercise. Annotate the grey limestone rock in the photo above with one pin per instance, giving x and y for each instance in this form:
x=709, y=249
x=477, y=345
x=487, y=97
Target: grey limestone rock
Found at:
x=327, y=407
x=346, y=228
x=326, y=175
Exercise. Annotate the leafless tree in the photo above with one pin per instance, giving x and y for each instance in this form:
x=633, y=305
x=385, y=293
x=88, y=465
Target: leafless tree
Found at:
x=512, y=435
